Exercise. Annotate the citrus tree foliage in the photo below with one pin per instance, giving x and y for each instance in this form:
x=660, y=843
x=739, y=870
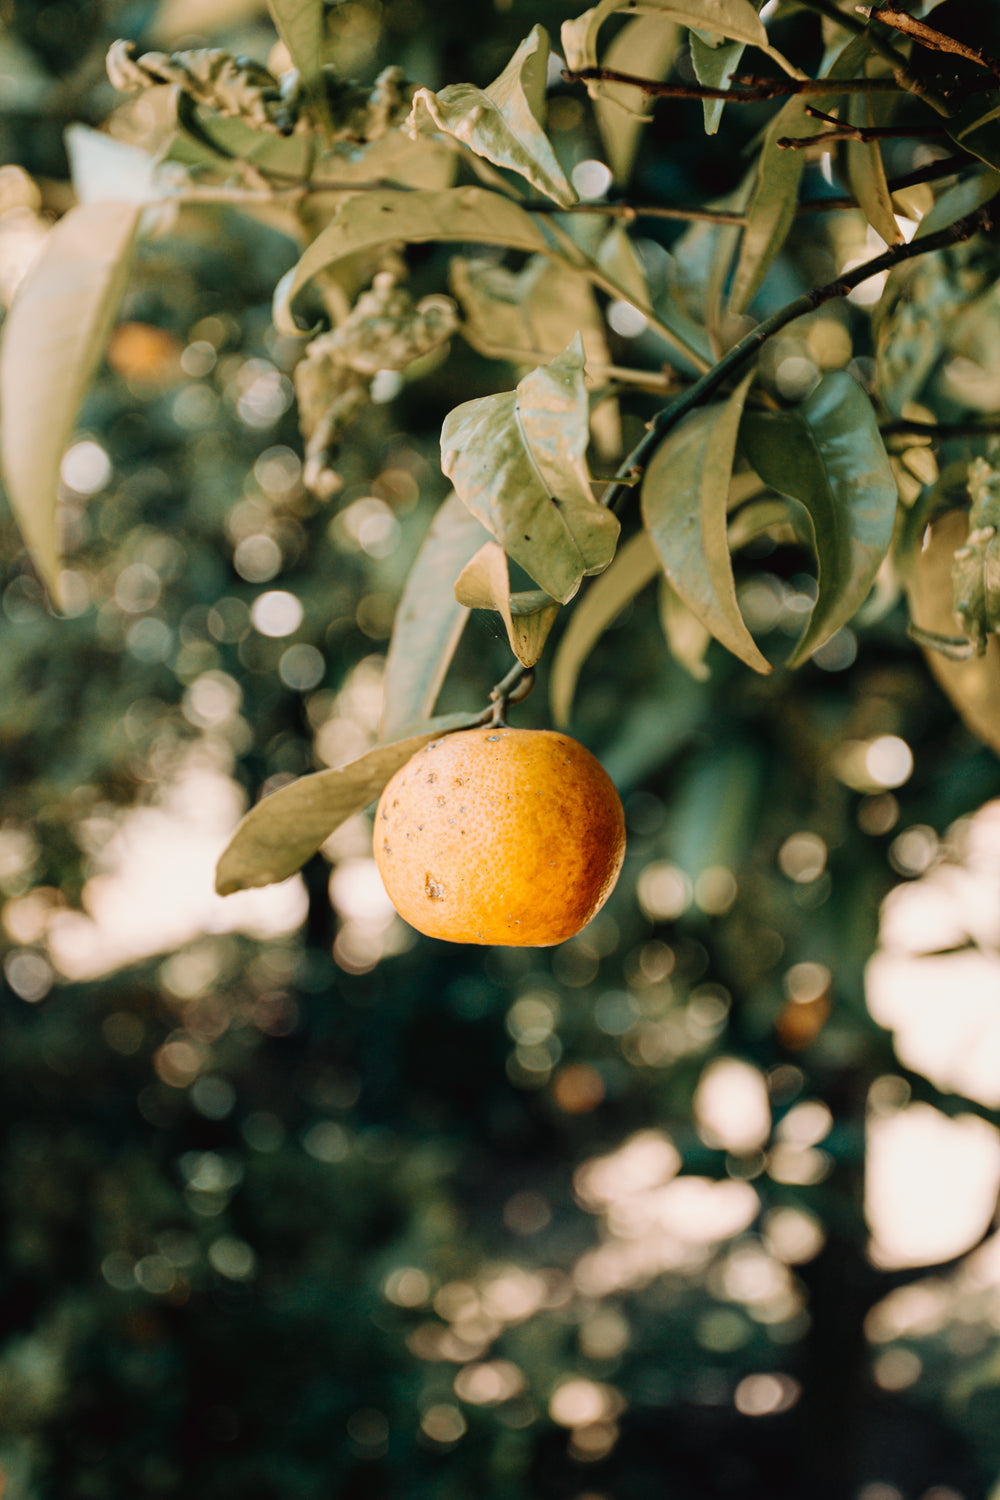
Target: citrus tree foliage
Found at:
x=356, y=175
x=724, y=509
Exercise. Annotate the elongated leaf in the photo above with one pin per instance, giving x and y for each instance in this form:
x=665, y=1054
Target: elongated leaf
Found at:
x=685, y=634
x=517, y=461
x=713, y=68
x=484, y=583
x=635, y=565
x=647, y=47
x=736, y=19
x=53, y=338
x=828, y=455
x=299, y=23
x=964, y=198
x=429, y=622
x=278, y=835
x=505, y=122
x=771, y=209
x=973, y=685
x=467, y=213
x=863, y=159
x=976, y=127
x=684, y=498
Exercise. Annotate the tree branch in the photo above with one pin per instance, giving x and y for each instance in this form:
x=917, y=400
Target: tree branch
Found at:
x=668, y=418
x=743, y=93
x=865, y=133
x=932, y=39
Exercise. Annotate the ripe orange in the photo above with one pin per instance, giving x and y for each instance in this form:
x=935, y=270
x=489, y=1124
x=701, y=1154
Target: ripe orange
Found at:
x=498, y=835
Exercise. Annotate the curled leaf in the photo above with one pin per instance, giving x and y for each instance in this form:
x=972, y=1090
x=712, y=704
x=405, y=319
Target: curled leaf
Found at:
x=505, y=122
x=828, y=454
x=517, y=461
x=484, y=583
x=284, y=830
x=365, y=220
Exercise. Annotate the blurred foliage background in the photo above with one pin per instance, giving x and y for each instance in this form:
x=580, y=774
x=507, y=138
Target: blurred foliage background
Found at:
x=297, y=1205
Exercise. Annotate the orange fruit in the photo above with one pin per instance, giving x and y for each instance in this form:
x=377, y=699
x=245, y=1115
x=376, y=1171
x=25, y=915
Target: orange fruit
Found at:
x=498, y=835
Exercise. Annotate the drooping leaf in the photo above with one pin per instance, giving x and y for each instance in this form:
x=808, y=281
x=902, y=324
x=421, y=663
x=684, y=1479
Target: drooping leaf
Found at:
x=429, y=622
x=635, y=564
x=517, y=461
x=375, y=218
x=647, y=47
x=484, y=583
x=284, y=830
x=505, y=123
x=828, y=455
x=618, y=256
x=685, y=634
x=299, y=23
x=863, y=159
x=972, y=685
x=684, y=499
x=771, y=209
x=713, y=68
x=976, y=127
x=52, y=340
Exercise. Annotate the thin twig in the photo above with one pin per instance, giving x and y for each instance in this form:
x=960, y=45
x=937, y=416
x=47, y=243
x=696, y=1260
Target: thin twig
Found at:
x=864, y=133
x=747, y=347
x=742, y=93
x=897, y=60
x=932, y=39
x=651, y=379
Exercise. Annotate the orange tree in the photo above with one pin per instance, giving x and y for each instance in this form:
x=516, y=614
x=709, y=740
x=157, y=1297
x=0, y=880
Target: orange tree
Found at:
x=691, y=302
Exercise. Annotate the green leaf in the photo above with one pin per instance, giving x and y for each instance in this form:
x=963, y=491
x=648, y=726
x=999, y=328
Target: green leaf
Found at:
x=713, y=67
x=376, y=218
x=429, y=622
x=517, y=461
x=646, y=46
x=686, y=636
x=684, y=499
x=961, y=199
x=534, y=311
x=52, y=340
x=828, y=455
x=976, y=127
x=771, y=209
x=618, y=256
x=208, y=139
x=299, y=23
x=973, y=685
x=863, y=159
x=484, y=583
x=635, y=565
x=736, y=19
x=505, y=122
x=284, y=830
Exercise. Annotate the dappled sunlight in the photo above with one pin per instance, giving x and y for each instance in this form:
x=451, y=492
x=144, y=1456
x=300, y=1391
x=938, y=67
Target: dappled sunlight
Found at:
x=154, y=886
x=931, y=1185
